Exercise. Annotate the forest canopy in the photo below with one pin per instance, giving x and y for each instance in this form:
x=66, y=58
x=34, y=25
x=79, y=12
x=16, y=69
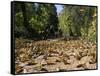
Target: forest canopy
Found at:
x=42, y=21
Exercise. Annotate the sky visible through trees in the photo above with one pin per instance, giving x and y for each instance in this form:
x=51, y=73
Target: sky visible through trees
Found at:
x=59, y=8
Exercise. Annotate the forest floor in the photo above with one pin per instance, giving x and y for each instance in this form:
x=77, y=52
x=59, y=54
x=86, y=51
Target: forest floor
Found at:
x=54, y=55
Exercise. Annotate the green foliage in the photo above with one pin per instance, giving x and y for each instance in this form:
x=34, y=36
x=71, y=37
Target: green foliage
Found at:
x=39, y=20
x=92, y=30
x=69, y=21
x=34, y=20
x=78, y=21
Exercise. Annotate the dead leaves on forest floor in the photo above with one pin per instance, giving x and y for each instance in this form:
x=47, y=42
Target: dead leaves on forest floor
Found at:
x=54, y=55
